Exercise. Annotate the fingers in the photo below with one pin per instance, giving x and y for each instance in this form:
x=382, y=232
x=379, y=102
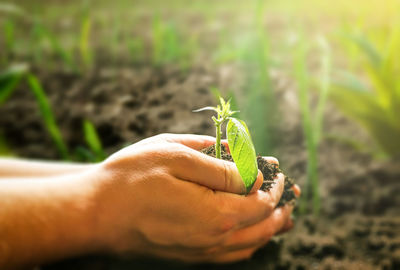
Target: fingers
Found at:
x=249, y=210
x=217, y=174
x=196, y=142
x=288, y=226
x=234, y=256
x=258, y=183
x=260, y=233
x=272, y=160
x=297, y=190
x=231, y=180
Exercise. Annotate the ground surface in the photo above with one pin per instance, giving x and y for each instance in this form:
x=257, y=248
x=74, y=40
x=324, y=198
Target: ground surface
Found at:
x=360, y=220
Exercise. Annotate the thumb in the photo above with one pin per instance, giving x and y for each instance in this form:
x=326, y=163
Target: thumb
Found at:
x=233, y=182
x=216, y=174
x=230, y=181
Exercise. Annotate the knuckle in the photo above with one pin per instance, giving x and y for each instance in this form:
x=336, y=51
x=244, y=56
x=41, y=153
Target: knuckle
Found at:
x=265, y=238
x=212, y=250
x=225, y=224
x=227, y=176
x=269, y=206
x=281, y=177
x=163, y=136
x=246, y=255
x=215, y=242
x=181, y=154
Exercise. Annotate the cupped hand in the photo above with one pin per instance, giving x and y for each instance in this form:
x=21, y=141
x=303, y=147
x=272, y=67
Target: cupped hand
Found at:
x=162, y=197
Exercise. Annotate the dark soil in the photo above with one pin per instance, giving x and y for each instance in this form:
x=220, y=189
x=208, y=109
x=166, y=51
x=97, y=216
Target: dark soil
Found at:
x=269, y=171
x=358, y=227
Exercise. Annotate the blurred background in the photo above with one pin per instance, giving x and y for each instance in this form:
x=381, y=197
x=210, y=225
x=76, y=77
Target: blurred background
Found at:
x=318, y=83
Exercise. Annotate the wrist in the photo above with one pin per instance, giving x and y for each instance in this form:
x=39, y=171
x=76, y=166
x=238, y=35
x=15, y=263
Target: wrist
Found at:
x=90, y=221
x=95, y=216
x=58, y=217
x=76, y=230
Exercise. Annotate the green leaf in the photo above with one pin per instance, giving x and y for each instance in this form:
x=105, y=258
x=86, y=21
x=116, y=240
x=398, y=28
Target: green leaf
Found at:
x=365, y=108
x=206, y=109
x=369, y=49
x=47, y=115
x=4, y=149
x=242, y=151
x=93, y=140
x=9, y=80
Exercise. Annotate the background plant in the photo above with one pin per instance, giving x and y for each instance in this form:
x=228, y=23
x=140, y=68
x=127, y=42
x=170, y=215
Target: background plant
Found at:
x=312, y=121
x=373, y=99
x=84, y=41
x=10, y=79
x=169, y=46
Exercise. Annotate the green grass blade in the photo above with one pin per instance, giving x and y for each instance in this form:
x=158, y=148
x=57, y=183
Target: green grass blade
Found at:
x=9, y=79
x=84, y=154
x=36, y=36
x=369, y=49
x=9, y=36
x=365, y=109
x=84, y=41
x=324, y=88
x=302, y=77
x=7, y=88
x=4, y=149
x=67, y=58
x=93, y=140
x=137, y=49
x=158, y=40
x=47, y=115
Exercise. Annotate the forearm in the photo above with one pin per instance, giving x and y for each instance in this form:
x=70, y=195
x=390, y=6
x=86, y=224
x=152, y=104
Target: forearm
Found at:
x=18, y=168
x=44, y=220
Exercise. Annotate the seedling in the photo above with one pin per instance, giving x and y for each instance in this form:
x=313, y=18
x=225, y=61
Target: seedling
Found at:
x=312, y=120
x=239, y=141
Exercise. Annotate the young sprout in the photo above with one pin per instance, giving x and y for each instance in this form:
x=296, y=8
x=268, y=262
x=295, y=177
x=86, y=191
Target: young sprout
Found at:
x=224, y=113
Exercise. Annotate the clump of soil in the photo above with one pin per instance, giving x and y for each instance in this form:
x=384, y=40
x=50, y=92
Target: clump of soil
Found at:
x=269, y=171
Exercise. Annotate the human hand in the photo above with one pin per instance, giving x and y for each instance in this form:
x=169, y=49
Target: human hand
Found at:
x=161, y=197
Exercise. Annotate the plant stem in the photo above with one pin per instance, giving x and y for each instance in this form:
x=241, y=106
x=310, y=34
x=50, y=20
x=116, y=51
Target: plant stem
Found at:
x=312, y=172
x=218, y=140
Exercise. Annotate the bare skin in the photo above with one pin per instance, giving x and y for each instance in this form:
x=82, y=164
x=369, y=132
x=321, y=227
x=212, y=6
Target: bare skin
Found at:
x=159, y=197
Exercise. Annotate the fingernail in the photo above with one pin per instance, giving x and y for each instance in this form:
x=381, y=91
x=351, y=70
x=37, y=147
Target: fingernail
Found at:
x=271, y=159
